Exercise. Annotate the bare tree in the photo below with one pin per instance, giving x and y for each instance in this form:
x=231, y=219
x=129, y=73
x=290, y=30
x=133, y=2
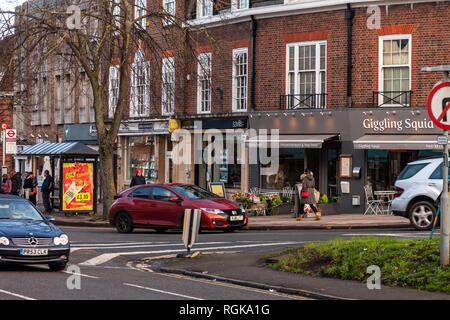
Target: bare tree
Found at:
x=88, y=37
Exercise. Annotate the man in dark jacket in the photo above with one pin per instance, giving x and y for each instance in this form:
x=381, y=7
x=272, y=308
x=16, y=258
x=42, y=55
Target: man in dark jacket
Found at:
x=46, y=188
x=137, y=179
x=16, y=182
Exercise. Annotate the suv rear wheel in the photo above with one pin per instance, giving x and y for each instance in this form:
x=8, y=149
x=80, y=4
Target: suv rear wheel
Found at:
x=422, y=215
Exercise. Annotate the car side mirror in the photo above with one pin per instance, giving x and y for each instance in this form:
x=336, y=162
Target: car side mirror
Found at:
x=50, y=218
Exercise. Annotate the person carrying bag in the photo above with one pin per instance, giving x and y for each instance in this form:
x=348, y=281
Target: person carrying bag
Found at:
x=308, y=192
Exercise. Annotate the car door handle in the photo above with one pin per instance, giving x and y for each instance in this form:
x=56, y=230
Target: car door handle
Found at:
x=432, y=184
x=153, y=205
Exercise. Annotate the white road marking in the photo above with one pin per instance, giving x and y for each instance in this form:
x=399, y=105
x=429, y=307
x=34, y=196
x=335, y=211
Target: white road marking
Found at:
x=166, y=244
x=398, y=235
x=109, y=256
x=161, y=291
x=16, y=295
x=81, y=275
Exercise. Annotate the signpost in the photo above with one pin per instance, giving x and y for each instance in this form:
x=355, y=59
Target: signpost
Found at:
x=191, y=226
x=4, y=126
x=438, y=107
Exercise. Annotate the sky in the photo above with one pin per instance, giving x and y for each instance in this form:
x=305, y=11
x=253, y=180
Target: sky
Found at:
x=9, y=5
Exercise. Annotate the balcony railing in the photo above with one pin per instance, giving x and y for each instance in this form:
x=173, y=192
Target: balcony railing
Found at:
x=391, y=98
x=303, y=101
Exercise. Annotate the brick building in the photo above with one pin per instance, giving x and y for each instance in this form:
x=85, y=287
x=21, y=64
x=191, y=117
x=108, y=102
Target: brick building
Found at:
x=6, y=91
x=339, y=80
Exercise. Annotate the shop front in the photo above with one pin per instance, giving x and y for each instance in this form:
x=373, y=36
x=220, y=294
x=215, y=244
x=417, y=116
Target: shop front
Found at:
x=145, y=146
x=346, y=149
x=217, y=153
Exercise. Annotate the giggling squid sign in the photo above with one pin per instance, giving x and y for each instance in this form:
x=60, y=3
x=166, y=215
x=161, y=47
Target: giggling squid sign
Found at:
x=398, y=125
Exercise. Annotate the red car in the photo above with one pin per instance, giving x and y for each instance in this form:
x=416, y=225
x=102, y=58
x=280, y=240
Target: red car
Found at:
x=161, y=207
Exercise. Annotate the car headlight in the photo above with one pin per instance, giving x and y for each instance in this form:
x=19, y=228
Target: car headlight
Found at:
x=61, y=240
x=215, y=211
x=4, y=241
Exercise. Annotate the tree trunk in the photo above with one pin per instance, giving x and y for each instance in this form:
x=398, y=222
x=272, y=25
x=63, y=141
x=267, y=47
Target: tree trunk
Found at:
x=106, y=176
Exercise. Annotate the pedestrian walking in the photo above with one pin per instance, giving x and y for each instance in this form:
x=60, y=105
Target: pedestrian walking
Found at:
x=16, y=182
x=137, y=179
x=46, y=188
x=30, y=187
x=301, y=211
x=307, y=195
x=6, y=184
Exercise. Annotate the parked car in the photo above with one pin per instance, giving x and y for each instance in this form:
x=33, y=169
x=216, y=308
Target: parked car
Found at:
x=162, y=206
x=418, y=188
x=28, y=237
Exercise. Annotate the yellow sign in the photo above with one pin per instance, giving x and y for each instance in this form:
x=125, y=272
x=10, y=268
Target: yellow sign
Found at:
x=218, y=189
x=78, y=186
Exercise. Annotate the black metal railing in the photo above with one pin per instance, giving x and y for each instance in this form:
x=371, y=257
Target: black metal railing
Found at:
x=303, y=101
x=391, y=98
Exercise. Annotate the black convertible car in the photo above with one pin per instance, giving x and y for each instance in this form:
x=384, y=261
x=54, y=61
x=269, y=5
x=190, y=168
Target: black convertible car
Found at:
x=28, y=237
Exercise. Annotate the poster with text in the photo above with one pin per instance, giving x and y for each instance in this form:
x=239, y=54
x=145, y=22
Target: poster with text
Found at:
x=78, y=186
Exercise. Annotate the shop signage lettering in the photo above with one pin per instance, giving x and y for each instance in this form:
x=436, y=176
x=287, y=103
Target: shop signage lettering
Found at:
x=398, y=125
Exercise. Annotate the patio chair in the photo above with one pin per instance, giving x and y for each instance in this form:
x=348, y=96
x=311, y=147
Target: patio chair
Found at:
x=373, y=205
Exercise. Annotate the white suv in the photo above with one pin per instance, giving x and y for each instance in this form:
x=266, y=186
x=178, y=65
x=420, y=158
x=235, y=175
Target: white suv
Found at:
x=418, y=188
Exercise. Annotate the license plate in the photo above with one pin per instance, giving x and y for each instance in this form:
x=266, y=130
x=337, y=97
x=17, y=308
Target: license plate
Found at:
x=33, y=252
x=236, y=218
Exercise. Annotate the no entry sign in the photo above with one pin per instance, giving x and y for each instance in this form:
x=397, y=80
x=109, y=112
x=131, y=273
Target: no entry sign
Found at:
x=438, y=105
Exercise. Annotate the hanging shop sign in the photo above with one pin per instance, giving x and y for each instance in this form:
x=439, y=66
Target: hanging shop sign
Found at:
x=78, y=186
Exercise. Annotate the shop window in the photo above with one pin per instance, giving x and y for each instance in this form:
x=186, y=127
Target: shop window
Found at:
x=291, y=166
x=140, y=155
x=229, y=169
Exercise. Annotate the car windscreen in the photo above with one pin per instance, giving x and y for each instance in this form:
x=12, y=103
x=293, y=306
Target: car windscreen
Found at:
x=18, y=209
x=194, y=192
x=411, y=170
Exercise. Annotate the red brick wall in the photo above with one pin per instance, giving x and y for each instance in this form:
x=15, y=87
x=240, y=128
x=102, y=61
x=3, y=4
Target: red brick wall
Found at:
x=6, y=117
x=427, y=23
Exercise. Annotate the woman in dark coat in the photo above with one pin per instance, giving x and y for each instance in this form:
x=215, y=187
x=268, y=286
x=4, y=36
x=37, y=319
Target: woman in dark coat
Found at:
x=309, y=185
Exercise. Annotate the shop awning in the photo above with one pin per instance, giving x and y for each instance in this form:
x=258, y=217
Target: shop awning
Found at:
x=301, y=141
x=56, y=149
x=403, y=142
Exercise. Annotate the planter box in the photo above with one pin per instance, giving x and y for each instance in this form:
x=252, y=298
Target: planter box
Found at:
x=284, y=208
x=329, y=208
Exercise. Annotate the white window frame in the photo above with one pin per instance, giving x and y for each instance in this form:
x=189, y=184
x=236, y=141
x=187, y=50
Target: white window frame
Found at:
x=239, y=4
x=204, y=74
x=170, y=7
x=168, y=98
x=138, y=107
x=317, y=69
x=140, y=9
x=115, y=11
x=113, y=89
x=236, y=98
x=381, y=65
x=205, y=8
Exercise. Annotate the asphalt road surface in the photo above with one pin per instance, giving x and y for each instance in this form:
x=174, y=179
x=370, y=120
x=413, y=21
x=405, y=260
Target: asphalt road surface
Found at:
x=101, y=265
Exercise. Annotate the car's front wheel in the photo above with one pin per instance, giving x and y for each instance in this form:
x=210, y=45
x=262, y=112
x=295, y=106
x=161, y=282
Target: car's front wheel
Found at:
x=124, y=223
x=422, y=215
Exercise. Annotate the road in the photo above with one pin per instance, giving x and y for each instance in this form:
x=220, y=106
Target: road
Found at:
x=101, y=265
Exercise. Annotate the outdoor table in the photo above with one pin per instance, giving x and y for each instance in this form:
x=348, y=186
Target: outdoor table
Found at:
x=387, y=197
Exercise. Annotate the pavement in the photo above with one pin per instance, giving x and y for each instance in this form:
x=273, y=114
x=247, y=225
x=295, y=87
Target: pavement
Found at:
x=275, y=222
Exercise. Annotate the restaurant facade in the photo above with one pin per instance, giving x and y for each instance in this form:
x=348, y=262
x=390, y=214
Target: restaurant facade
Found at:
x=345, y=148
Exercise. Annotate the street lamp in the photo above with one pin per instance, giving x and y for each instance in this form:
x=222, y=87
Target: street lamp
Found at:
x=445, y=214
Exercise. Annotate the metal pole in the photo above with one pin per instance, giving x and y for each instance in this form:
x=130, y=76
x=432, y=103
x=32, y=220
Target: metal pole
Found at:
x=444, y=208
x=445, y=218
x=4, y=147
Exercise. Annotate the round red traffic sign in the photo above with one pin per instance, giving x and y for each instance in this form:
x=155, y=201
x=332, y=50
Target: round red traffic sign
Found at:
x=4, y=126
x=11, y=133
x=438, y=105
